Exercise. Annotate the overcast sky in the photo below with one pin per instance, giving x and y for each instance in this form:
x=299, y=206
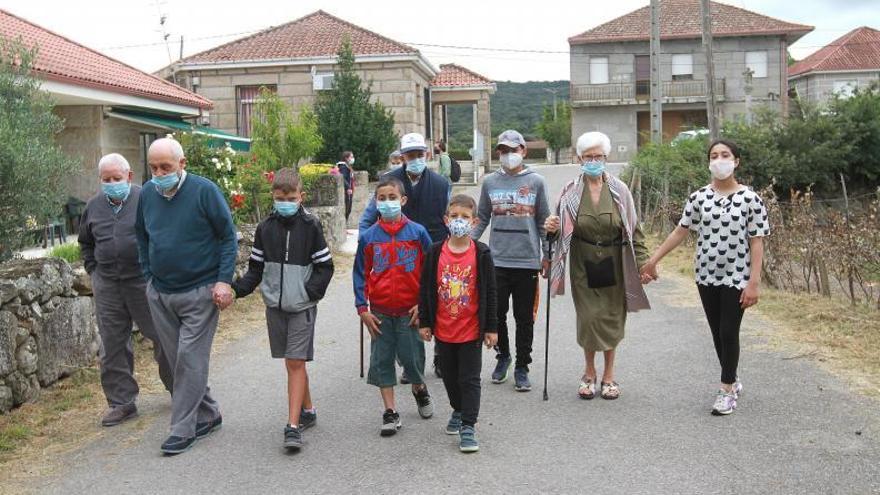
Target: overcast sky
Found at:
x=129, y=30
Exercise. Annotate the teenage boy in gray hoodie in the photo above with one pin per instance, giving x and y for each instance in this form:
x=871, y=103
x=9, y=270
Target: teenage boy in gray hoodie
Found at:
x=514, y=201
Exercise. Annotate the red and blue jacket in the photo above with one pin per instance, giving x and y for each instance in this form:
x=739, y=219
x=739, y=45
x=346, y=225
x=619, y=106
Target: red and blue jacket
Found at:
x=388, y=267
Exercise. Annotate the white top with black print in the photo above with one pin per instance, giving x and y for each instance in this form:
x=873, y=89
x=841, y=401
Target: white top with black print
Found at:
x=724, y=225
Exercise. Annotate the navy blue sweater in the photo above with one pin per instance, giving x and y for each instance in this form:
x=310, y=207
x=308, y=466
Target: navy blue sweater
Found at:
x=187, y=241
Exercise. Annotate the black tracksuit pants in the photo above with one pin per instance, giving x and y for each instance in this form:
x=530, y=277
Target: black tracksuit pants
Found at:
x=522, y=285
x=461, y=365
x=723, y=310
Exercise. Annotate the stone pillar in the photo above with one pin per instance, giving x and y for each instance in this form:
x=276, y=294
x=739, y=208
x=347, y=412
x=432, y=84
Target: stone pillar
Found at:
x=437, y=116
x=483, y=123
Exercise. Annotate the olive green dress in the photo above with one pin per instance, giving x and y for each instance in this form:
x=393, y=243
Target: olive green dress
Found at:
x=601, y=313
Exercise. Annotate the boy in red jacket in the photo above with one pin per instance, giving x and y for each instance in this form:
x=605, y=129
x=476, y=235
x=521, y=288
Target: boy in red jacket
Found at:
x=457, y=305
x=386, y=276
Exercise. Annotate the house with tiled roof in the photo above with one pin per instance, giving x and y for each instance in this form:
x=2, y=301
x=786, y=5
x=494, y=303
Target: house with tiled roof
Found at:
x=610, y=70
x=847, y=63
x=107, y=106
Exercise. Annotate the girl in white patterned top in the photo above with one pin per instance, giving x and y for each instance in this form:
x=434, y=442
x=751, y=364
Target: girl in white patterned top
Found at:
x=731, y=222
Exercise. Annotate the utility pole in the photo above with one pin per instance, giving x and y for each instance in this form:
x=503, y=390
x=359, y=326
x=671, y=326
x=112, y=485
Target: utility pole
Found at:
x=656, y=86
x=554, y=91
x=705, y=6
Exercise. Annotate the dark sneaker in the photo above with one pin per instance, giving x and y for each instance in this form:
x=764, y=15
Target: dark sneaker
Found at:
x=404, y=378
x=454, y=424
x=307, y=419
x=467, y=439
x=501, y=370
x=118, y=414
x=426, y=405
x=177, y=445
x=205, y=429
x=521, y=379
x=293, y=438
x=437, y=371
x=390, y=423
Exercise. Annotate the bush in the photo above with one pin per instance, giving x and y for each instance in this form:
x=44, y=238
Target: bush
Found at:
x=279, y=139
x=34, y=173
x=309, y=173
x=68, y=252
x=677, y=169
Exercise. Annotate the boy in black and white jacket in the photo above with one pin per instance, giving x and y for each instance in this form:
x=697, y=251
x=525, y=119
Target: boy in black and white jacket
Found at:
x=291, y=263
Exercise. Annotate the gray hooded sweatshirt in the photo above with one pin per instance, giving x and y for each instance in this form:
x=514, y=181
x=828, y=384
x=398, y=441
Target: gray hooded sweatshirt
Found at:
x=516, y=207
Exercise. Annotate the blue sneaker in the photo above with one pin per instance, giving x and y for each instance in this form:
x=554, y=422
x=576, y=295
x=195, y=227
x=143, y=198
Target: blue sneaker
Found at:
x=501, y=369
x=454, y=424
x=521, y=379
x=307, y=419
x=468, y=439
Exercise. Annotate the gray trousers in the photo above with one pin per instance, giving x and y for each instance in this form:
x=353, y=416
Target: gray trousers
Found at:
x=186, y=324
x=117, y=305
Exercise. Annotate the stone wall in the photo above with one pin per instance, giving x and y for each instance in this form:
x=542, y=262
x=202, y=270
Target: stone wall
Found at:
x=47, y=327
x=326, y=200
x=363, y=191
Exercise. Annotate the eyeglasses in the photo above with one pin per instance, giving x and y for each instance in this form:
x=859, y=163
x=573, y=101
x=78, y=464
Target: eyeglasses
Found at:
x=593, y=158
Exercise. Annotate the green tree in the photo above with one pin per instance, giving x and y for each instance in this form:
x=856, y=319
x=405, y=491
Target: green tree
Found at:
x=348, y=121
x=34, y=173
x=858, y=120
x=555, y=128
x=280, y=139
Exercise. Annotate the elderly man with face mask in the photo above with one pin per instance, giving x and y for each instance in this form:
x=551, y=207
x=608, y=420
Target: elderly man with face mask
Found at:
x=109, y=249
x=187, y=245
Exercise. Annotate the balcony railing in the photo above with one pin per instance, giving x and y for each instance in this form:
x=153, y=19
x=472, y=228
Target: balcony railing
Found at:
x=634, y=92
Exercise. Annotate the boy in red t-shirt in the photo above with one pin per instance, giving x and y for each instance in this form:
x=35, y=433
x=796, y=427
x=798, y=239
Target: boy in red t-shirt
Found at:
x=457, y=305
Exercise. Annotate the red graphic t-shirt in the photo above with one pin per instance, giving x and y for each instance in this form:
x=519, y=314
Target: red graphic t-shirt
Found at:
x=458, y=320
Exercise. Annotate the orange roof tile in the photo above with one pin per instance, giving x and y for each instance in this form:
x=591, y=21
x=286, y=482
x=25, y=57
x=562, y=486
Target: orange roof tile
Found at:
x=63, y=60
x=681, y=19
x=858, y=49
x=452, y=75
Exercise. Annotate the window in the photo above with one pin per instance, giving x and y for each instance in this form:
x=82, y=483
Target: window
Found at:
x=598, y=70
x=146, y=139
x=682, y=67
x=322, y=82
x=845, y=89
x=757, y=62
x=246, y=97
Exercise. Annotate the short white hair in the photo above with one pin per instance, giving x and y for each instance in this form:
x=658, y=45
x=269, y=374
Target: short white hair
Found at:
x=591, y=140
x=113, y=159
x=176, y=148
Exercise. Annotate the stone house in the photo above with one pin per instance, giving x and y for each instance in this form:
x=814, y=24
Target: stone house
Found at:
x=107, y=106
x=610, y=70
x=847, y=63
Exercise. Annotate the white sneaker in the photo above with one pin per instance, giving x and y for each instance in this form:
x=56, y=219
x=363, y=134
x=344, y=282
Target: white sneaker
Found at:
x=725, y=403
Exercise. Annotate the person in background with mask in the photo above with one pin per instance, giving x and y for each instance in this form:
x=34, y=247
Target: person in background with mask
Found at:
x=596, y=217
x=344, y=165
x=187, y=248
x=731, y=222
x=513, y=200
x=427, y=195
x=394, y=160
x=109, y=250
x=292, y=264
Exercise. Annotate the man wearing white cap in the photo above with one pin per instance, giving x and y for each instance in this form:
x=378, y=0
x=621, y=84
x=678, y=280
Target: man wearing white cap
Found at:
x=427, y=194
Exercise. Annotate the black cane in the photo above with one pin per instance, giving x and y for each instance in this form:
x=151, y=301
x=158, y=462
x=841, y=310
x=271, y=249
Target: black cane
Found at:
x=362, y=348
x=547, y=330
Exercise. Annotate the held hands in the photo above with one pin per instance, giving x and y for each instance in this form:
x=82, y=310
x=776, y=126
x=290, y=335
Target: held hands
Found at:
x=490, y=340
x=222, y=295
x=372, y=323
x=551, y=224
x=749, y=296
x=545, y=268
x=425, y=334
x=649, y=272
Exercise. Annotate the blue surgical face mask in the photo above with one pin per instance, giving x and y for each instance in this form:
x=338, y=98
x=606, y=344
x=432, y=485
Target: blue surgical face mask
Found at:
x=166, y=182
x=390, y=209
x=593, y=168
x=116, y=190
x=460, y=227
x=416, y=166
x=286, y=208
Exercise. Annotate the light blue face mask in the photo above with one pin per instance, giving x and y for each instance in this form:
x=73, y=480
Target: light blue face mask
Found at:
x=116, y=190
x=286, y=208
x=593, y=168
x=416, y=166
x=390, y=209
x=166, y=182
x=460, y=227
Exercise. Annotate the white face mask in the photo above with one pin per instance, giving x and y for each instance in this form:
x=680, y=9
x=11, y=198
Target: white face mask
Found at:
x=722, y=169
x=511, y=161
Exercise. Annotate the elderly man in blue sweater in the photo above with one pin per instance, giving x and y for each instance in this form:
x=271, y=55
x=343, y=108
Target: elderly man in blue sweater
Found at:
x=187, y=247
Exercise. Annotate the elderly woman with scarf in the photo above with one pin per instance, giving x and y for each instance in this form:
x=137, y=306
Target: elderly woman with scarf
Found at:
x=599, y=229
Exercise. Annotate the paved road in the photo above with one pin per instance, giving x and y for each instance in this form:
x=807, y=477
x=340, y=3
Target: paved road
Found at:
x=795, y=431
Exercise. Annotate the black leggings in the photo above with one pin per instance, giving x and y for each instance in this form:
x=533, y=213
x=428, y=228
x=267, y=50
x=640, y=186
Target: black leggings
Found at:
x=724, y=312
x=522, y=284
x=461, y=364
